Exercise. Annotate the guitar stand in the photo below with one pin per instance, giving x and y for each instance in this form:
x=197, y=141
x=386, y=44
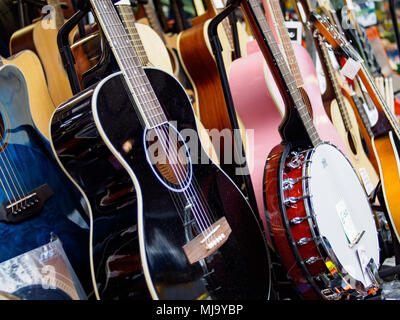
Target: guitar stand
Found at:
x=217, y=51
x=65, y=50
x=387, y=271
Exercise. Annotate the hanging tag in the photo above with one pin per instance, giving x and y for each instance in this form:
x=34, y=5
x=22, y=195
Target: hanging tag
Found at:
x=369, y=187
x=294, y=30
x=351, y=232
x=351, y=68
x=218, y=4
x=364, y=260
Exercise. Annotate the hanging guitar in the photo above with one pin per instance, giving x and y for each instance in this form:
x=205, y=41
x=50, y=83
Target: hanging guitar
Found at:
x=191, y=233
x=386, y=130
x=318, y=213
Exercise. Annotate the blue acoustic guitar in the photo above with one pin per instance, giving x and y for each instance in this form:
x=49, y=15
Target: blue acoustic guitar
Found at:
x=37, y=200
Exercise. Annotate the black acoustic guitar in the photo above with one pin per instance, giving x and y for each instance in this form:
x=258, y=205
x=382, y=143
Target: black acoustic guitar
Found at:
x=181, y=229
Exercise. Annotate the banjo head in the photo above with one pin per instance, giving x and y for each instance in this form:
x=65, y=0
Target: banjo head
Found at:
x=343, y=215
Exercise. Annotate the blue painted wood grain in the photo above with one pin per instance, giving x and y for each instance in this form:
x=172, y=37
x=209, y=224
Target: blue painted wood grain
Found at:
x=26, y=164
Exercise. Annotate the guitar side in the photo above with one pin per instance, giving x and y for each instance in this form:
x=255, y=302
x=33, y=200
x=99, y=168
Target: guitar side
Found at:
x=386, y=151
x=352, y=139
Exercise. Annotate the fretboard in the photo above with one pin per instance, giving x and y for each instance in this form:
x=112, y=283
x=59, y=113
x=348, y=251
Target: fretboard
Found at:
x=153, y=20
x=128, y=20
x=288, y=80
x=283, y=35
x=334, y=81
x=120, y=42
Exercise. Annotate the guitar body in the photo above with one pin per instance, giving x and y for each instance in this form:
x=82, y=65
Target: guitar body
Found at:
x=352, y=139
x=155, y=48
x=40, y=103
x=199, y=64
x=151, y=226
x=45, y=45
x=260, y=106
x=26, y=167
x=386, y=151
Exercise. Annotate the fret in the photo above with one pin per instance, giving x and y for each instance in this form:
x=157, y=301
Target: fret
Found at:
x=153, y=20
x=129, y=61
x=128, y=19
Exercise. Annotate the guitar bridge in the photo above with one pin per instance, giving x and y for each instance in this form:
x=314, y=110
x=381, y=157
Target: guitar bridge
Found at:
x=29, y=205
x=207, y=242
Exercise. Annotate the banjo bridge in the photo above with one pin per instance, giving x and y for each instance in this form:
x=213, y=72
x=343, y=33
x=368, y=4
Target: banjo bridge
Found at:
x=207, y=242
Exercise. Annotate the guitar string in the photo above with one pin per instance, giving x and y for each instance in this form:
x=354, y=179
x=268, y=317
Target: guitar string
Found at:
x=197, y=203
x=116, y=39
x=198, y=192
x=19, y=180
x=12, y=203
x=128, y=11
x=127, y=20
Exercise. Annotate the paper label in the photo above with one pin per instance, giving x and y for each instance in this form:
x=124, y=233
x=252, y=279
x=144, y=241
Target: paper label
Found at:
x=351, y=68
x=294, y=30
x=364, y=260
x=218, y=4
x=349, y=228
x=369, y=187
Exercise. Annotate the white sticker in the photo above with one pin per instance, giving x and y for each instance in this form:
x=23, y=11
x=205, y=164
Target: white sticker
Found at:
x=364, y=260
x=351, y=68
x=369, y=187
x=294, y=30
x=218, y=4
x=349, y=228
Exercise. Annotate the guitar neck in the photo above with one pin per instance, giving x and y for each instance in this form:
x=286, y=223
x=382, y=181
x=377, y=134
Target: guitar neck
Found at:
x=153, y=20
x=335, y=84
x=361, y=111
x=120, y=42
x=283, y=35
x=388, y=121
x=279, y=68
x=128, y=20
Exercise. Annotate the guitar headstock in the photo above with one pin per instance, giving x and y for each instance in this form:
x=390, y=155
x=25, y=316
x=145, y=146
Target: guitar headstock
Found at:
x=336, y=39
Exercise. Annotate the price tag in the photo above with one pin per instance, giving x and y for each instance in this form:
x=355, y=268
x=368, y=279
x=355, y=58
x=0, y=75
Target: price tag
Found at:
x=349, y=228
x=369, y=187
x=364, y=260
x=351, y=68
x=218, y=4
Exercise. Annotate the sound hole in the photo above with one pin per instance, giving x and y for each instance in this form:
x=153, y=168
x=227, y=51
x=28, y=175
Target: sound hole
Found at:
x=168, y=155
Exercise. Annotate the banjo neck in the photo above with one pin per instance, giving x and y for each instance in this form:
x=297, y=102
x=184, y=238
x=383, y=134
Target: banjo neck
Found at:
x=283, y=77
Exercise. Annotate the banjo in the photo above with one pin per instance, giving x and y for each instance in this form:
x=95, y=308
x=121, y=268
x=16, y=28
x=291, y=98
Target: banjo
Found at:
x=318, y=214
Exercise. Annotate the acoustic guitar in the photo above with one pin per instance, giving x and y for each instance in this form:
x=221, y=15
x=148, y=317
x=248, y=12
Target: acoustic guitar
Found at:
x=386, y=130
x=345, y=121
x=41, y=37
x=40, y=105
x=318, y=213
x=259, y=103
x=170, y=42
x=210, y=106
x=181, y=229
x=38, y=202
x=152, y=53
